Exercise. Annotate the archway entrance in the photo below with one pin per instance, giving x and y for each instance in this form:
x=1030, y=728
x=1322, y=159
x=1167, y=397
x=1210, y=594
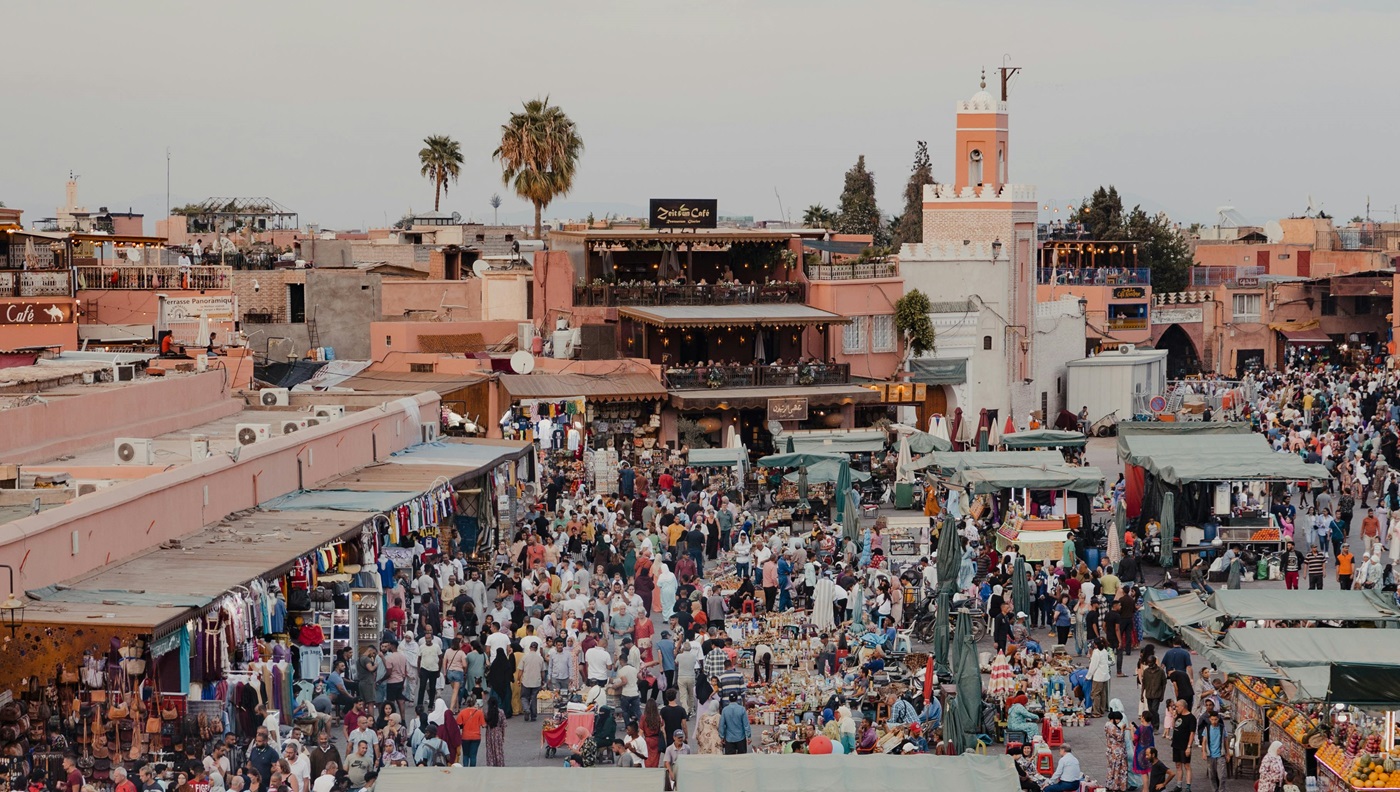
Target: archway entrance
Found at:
x=1182, y=359
x=935, y=403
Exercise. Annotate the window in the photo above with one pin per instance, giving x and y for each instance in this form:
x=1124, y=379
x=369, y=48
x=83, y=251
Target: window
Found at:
x=882, y=333
x=853, y=338
x=422, y=368
x=1329, y=305
x=1364, y=305
x=1247, y=307
x=986, y=342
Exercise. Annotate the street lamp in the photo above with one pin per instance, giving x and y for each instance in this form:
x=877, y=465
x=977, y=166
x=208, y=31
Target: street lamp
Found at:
x=12, y=609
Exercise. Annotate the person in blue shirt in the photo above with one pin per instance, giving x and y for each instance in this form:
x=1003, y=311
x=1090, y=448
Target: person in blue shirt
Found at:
x=667, y=649
x=903, y=712
x=784, y=579
x=734, y=728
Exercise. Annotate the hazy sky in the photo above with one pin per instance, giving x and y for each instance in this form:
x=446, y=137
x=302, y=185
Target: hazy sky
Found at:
x=1184, y=105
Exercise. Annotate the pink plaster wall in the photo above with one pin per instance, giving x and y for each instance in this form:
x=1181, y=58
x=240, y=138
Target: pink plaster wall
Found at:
x=866, y=297
x=399, y=295
x=391, y=339
x=100, y=414
x=142, y=307
x=124, y=521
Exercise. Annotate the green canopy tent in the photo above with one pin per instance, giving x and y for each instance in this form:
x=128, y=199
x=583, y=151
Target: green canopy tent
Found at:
x=1362, y=605
x=1044, y=438
x=1168, y=529
x=989, y=479
x=1020, y=587
x=964, y=715
x=945, y=462
x=719, y=457
x=826, y=473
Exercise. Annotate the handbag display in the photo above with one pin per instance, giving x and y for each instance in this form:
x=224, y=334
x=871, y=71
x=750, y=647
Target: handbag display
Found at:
x=99, y=696
x=117, y=709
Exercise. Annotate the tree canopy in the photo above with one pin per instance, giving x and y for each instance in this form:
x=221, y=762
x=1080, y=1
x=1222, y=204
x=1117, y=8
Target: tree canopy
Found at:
x=911, y=316
x=858, y=212
x=1162, y=248
x=818, y=216
x=909, y=226
x=441, y=158
x=539, y=153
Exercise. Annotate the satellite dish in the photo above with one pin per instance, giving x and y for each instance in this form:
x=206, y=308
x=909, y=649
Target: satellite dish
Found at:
x=1274, y=232
x=522, y=362
x=456, y=217
x=480, y=268
x=775, y=428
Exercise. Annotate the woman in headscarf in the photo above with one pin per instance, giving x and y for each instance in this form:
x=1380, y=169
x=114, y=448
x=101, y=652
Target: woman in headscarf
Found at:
x=745, y=591
x=449, y=730
x=643, y=584
x=666, y=584
x=495, y=735
x=1271, y=770
x=499, y=675
x=707, y=739
x=847, y=725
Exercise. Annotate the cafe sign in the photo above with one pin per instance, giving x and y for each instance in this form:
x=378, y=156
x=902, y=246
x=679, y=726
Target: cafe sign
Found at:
x=189, y=309
x=789, y=408
x=680, y=213
x=36, y=313
x=1129, y=293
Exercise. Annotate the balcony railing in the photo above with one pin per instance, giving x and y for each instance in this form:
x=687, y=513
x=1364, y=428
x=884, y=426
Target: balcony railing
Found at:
x=57, y=283
x=870, y=269
x=705, y=377
x=1127, y=323
x=1093, y=276
x=1216, y=276
x=611, y=295
x=129, y=277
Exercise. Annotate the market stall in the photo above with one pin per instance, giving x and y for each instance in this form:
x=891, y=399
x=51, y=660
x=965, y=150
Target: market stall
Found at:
x=1044, y=438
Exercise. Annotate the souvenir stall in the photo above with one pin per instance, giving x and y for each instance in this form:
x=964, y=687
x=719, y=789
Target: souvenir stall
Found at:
x=557, y=426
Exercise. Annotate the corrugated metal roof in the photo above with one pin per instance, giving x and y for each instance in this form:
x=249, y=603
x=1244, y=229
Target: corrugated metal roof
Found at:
x=373, y=380
x=716, y=315
x=616, y=387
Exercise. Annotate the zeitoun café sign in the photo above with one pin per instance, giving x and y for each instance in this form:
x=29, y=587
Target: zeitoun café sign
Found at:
x=677, y=213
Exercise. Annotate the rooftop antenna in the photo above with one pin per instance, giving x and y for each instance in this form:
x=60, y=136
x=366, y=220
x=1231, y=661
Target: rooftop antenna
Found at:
x=1007, y=72
x=781, y=213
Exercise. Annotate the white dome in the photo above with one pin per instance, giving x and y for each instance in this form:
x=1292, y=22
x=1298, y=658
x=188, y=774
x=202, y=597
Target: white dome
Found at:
x=982, y=99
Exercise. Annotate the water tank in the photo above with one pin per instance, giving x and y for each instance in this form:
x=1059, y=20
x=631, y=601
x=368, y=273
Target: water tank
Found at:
x=563, y=343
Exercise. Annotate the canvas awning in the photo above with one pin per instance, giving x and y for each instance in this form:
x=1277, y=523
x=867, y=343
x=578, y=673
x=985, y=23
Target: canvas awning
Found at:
x=757, y=398
x=472, y=779
x=825, y=473
x=718, y=457
x=468, y=455
x=1311, y=337
x=1044, y=438
x=838, y=440
x=938, y=371
x=839, y=773
x=1184, y=610
x=993, y=478
x=953, y=460
x=765, y=314
x=612, y=387
x=1326, y=605
x=1184, y=458
x=839, y=248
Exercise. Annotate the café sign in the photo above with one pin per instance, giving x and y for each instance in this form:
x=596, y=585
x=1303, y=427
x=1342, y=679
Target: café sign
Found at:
x=790, y=408
x=35, y=313
x=680, y=213
x=1129, y=293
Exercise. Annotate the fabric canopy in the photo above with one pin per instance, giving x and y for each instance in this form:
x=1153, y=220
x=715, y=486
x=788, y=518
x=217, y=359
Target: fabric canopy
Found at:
x=938, y=372
x=1183, y=611
x=1186, y=458
x=826, y=473
x=466, y=453
x=1311, y=337
x=1289, y=647
x=1046, y=438
x=842, y=441
x=1234, y=661
x=840, y=248
x=1326, y=605
x=957, y=460
x=470, y=779
x=921, y=442
x=993, y=478
x=719, y=457
x=339, y=500
x=795, y=460
x=839, y=773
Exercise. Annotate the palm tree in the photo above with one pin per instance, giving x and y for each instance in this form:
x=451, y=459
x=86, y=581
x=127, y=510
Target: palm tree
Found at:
x=818, y=216
x=539, y=154
x=495, y=209
x=441, y=157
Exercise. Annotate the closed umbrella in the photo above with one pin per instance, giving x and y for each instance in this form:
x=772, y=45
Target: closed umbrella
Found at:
x=1116, y=532
x=850, y=519
x=938, y=427
x=802, y=488
x=982, y=431
x=958, y=429
x=1020, y=587
x=903, y=474
x=967, y=675
x=949, y=554
x=1168, y=530
x=941, y=629
x=790, y=448
x=839, y=491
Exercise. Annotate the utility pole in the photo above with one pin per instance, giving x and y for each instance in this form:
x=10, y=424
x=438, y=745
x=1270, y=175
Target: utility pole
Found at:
x=1007, y=72
x=167, y=192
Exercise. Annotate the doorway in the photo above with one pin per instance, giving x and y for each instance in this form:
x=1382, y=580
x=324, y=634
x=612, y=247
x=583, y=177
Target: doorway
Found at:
x=296, y=303
x=1182, y=360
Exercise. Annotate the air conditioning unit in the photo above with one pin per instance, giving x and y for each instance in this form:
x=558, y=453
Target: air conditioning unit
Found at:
x=524, y=336
x=199, y=448
x=287, y=427
x=247, y=434
x=310, y=422
x=134, y=451
x=328, y=412
x=274, y=397
x=89, y=486
x=123, y=372
x=430, y=432
x=1126, y=349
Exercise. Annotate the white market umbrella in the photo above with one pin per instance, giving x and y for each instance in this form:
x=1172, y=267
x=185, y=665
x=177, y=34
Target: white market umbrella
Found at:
x=202, y=337
x=993, y=435
x=903, y=474
x=938, y=427
x=731, y=438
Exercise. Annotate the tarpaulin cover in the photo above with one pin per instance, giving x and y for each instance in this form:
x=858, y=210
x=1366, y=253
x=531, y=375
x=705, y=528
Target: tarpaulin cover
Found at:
x=838, y=441
x=826, y=473
x=1234, y=661
x=1364, y=684
x=957, y=460
x=939, y=372
x=1176, y=612
x=471, y=779
x=339, y=500
x=719, y=457
x=799, y=459
x=1047, y=438
x=840, y=773
x=1328, y=605
x=462, y=454
x=993, y=478
x=153, y=599
x=1183, y=458
x=1288, y=647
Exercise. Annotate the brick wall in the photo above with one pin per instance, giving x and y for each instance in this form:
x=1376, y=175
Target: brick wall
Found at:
x=271, y=296
x=977, y=225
